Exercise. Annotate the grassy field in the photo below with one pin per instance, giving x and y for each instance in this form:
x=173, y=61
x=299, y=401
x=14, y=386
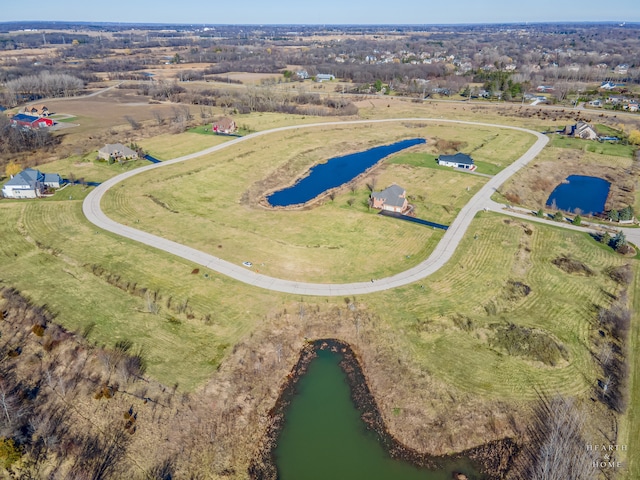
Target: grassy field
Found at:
x=473, y=285
x=442, y=327
x=630, y=424
x=219, y=211
x=601, y=148
x=48, y=252
x=168, y=146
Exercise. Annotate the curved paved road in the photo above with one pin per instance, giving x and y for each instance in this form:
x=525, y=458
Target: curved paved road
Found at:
x=441, y=254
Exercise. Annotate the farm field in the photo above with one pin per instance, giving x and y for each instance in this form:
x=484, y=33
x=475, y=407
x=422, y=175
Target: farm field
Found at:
x=217, y=200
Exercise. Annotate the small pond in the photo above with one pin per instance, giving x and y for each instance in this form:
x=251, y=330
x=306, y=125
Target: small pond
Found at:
x=324, y=437
x=578, y=192
x=335, y=172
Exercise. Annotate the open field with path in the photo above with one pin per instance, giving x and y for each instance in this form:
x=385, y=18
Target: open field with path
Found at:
x=217, y=199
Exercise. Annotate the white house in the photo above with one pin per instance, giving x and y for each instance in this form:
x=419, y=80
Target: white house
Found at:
x=323, y=77
x=459, y=160
x=30, y=183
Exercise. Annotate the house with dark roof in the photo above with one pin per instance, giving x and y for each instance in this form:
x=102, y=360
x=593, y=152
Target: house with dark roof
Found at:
x=224, y=126
x=392, y=198
x=459, y=160
x=117, y=151
x=30, y=121
x=581, y=130
x=30, y=183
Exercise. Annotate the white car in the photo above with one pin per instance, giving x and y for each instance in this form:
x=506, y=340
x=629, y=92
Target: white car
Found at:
x=247, y=264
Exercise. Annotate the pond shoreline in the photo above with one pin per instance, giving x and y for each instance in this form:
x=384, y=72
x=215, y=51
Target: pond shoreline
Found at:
x=494, y=459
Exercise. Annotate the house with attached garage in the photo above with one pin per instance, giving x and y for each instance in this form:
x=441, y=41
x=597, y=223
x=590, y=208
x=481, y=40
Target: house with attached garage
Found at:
x=224, y=126
x=581, y=130
x=459, y=160
x=117, y=151
x=30, y=183
x=36, y=110
x=392, y=199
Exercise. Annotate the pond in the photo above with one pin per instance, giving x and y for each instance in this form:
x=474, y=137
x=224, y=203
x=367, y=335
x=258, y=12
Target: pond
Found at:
x=324, y=437
x=580, y=193
x=335, y=172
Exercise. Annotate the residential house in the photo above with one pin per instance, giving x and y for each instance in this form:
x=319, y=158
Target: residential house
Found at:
x=36, y=110
x=117, y=151
x=632, y=106
x=459, y=160
x=30, y=183
x=392, y=198
x=224, y=125
x=324, y=77
x=595, y=103
x=621, y=69
x=302, y=74
x=581, y=130
x=30, y=121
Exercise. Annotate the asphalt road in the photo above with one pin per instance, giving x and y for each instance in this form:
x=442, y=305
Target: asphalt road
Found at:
x=441, y=254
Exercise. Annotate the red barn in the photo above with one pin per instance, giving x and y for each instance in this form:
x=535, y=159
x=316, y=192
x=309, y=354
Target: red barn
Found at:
x=29, y=121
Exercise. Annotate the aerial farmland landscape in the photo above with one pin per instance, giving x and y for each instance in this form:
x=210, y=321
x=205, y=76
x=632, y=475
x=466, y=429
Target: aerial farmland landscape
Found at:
x=301, y=251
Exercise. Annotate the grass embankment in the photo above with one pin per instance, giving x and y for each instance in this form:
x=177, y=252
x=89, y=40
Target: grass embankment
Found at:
x=630, y=423
x=212, y=203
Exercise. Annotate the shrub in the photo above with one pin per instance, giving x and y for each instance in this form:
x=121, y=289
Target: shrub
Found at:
x=571, y=265
x=525, y=342
x=622, y=274
x=38, y=330
x=9, y=453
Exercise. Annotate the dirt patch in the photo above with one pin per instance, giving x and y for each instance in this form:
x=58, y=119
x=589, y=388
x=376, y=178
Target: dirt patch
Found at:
x=494, y=458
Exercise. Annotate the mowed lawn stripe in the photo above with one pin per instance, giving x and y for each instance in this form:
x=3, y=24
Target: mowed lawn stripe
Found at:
x=559, y=305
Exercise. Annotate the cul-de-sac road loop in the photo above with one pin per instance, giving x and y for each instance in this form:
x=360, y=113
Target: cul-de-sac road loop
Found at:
x=440, y=255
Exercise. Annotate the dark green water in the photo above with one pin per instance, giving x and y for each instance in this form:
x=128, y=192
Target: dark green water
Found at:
x=324, y=437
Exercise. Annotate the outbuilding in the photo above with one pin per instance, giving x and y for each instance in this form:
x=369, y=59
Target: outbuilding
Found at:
x=31, y=121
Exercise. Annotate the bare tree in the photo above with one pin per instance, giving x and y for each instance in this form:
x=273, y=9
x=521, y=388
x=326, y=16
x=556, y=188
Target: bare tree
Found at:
x=557, y=450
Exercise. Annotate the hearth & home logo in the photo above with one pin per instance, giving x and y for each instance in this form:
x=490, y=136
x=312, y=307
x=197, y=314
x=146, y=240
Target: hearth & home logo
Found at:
x=607, y=455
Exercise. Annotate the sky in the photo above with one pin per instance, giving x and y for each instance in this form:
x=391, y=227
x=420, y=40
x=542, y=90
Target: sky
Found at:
x=316, y=12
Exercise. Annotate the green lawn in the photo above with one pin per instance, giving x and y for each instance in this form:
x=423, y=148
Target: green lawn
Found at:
x=604, y=148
